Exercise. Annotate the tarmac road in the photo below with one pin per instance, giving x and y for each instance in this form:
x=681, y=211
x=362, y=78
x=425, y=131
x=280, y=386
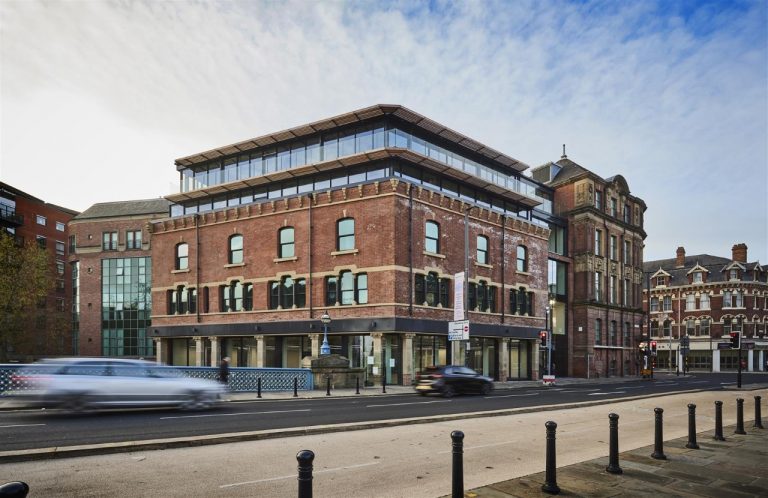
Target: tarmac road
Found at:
x=403, y=461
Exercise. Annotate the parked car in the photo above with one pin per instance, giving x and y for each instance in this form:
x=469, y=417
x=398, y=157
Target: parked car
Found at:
x=81, y=384
x=451, y=379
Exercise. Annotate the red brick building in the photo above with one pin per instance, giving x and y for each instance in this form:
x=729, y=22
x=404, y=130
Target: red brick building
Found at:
x=605, y=235
x=110, y=257
x=705, y=298
x=32, y=220
x=363, y=216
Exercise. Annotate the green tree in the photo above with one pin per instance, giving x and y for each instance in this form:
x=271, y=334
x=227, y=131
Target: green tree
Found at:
x=26, y=278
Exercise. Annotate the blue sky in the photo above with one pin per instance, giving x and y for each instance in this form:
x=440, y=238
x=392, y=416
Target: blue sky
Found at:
x=102, y=96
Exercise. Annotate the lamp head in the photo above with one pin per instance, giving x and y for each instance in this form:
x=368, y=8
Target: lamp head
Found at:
x=326, y=318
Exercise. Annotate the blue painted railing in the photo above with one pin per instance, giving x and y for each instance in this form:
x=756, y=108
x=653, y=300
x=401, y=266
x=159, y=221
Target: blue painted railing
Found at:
x=240, y=379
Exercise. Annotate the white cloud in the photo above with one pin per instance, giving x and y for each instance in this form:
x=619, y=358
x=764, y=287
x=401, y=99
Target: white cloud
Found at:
x=674, y=101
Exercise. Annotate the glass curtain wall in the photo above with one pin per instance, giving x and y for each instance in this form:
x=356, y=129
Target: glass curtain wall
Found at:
x=126, y=307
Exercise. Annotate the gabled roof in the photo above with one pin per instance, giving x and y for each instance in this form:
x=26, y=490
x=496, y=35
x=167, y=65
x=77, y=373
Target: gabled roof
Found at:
x=697, y=268
x=357, y=116
x=715, y=266
x=660, y=273
x=734, y=264
x=145, y=207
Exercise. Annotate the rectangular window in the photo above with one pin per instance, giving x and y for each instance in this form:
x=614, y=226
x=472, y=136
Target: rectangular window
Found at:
x=331, y=291
x=60, y=226
x=60, y=267
x=614, y=248
x=704, y=327
x=445, y=284
x=72, y=244
x=654, y=304
x=362, y=289
x=627, y=213
x=598, y=331
x=274, y=295
x=613, y=338
x=59, y=248
x=690, y=302
x=598, y=286
x=627, y=289
x=727, y=299
x=420, y=289
x=612, y=290
x=133, y=239
x=690, y=327
x=432, y=237
x=482, y=249
x=598, y=200
x=598, y=242
x=472, y=296
x=109, y=241
x=42, y=242
x=614, y=207
x=667, y=303
x=347, y=285
x=40, y=219
x=627, y=253
x=697, y=277
x=626, y=335
x=704, y=302
x=286, y=293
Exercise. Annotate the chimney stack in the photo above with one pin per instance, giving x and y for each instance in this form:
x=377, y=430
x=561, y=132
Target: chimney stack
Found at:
x=680, y=261
x=740, y=252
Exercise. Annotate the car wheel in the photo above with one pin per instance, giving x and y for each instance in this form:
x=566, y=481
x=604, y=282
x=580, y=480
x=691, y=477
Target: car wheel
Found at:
x=76, y=403
x=197, y=400
x=486, y=388
x=448, y=392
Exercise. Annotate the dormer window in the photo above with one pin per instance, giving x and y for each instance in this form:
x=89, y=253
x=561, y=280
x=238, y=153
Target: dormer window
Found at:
x=659, y=281
x=733, y=274
x=697, y=277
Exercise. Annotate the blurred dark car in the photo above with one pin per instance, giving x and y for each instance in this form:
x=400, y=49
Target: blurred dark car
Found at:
x=82, y=384
x=451, y=379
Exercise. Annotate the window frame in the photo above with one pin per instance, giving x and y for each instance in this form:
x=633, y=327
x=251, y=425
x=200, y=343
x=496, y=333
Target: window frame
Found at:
x=432, y=241
x=283, y=247
x=343, y=238
x=482, y=245
x=521, y=262
x=235, y=255
x=181, y=262
x=133, y=239
x=109, y=241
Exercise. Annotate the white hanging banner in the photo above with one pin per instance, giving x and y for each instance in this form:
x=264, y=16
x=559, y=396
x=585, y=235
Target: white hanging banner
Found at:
x=458, y=296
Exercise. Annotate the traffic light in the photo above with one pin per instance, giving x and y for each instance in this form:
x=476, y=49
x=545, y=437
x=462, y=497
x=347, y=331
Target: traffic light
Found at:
x=735, y=340
x=653, y=348
x=543, y=338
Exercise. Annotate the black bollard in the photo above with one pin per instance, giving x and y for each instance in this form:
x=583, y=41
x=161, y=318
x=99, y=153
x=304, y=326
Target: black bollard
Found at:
x=658, y=442
x=758, y=416
x=719, y=421
x=457, y=480
x=357, y=385
x=550, y=484
x=305, y=458
x=295, y=387
x=15, y=489
x=258, y=388
x=384, y=384
x=328, y=386
x=613, y=445
x=740, y=416
x=692, y=427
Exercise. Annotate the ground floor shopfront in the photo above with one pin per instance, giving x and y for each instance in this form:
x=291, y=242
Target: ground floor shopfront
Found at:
x=705, y=356
x=394, y=356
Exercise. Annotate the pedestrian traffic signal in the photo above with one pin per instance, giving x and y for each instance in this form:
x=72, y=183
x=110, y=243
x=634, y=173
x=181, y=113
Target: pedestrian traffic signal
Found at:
x=735, y=340
x=543, y=338
x=653, y=347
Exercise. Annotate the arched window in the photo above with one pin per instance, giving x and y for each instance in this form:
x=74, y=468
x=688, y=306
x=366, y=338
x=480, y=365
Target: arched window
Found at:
x=522, y=259
x=182, y=256
x=482, y=249
x=236, y=249
x=345, y=234
x=432, y=237
x=286, y=248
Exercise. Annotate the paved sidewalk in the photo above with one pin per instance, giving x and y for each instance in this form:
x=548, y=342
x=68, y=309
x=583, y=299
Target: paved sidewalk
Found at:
x=735, y=467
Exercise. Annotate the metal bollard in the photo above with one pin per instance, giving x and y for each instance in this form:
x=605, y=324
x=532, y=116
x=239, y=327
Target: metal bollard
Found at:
x=14, y=489
x=692, y=427
x=357, y=385
x=719, y=421
x=258, y=388
x=457, y=479
x=658, y=442
x=295, y=387
x=550, y=484
x=613, y=445
x=305, y=458
x=758, y=416
x=328, y=386
x=740, y=416
x=384, y=384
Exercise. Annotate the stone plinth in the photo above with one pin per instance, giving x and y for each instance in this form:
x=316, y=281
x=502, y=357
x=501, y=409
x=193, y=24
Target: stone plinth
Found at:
x=334, y=366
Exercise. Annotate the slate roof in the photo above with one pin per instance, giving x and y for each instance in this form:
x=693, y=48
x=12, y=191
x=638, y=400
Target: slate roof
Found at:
x=715, y=265
x=126, y=208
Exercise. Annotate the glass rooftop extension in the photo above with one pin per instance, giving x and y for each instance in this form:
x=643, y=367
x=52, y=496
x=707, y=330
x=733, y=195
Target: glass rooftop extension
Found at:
x=366, y=134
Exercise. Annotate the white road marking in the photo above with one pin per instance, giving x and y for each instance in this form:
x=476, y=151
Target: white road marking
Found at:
x=293, y=476
x=634, y=387
x=698, y=382
x=606, y=394
x=19, y=425
x=489, y=445
x=580, y=390
x=511, y=395
x=233, y=414
x=408, y=404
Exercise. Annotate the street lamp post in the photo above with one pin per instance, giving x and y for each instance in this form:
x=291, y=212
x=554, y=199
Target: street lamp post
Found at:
x=325, y=349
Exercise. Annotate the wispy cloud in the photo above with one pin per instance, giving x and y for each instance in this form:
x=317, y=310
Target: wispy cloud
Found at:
x=102, y=96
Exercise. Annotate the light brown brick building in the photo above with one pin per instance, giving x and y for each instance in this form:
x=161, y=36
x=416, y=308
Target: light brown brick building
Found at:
x=363, y=216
